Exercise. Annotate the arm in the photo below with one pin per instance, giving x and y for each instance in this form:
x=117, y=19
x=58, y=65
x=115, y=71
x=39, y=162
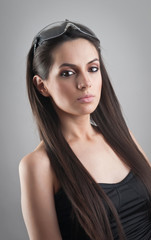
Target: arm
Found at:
x=139, y=147
x=37, y=197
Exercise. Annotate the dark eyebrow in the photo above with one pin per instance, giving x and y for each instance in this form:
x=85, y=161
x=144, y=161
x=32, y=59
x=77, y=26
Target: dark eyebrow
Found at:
x=73, y=65
x=95, y=59
x=67, y=65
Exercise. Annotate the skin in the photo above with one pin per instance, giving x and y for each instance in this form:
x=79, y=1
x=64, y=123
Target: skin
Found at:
x=65, y=85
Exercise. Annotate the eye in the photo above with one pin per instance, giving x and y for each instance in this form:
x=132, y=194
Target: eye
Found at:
x=93, y=69
x=67, y=73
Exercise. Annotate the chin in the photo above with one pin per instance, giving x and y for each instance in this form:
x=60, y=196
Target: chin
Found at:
x=87, y=110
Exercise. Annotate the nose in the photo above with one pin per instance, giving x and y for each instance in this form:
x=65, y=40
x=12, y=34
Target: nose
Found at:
x=83, y=81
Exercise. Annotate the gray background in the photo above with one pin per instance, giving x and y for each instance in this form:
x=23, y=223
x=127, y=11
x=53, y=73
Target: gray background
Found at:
x=124, y=28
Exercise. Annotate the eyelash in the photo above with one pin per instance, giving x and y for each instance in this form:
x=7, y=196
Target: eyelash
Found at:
x=95, y=68
x=68, y=73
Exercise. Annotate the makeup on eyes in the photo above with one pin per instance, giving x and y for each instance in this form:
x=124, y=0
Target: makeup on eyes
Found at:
x=68, y=73
x=71, y=69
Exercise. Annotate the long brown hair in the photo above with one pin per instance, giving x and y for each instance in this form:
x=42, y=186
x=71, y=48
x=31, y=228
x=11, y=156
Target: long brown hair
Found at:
x=89, y=201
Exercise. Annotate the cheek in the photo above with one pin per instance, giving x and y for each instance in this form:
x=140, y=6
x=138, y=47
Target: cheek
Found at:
x=61, y=92
x=98, y=84
x=64, y=89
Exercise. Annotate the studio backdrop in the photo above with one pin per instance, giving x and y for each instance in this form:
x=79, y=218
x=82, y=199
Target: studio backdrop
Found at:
x=124, y=29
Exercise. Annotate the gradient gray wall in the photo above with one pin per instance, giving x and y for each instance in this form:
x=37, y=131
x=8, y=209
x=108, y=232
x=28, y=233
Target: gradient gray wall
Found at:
x=124, y=28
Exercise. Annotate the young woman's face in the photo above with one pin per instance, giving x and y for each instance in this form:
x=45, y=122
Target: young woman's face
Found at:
x=74, y=82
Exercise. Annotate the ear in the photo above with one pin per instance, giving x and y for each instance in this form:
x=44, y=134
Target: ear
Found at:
x=40, y=85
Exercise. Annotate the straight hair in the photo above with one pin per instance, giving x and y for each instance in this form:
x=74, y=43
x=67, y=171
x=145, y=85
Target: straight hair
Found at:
x=90, y=204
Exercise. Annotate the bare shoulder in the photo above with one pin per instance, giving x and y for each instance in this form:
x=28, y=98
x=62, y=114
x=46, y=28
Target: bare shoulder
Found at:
x=37, y=164
x=37, y=195
x=38, y=156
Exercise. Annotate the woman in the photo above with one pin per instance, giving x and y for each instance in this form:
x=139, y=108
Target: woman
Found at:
x=88, y=178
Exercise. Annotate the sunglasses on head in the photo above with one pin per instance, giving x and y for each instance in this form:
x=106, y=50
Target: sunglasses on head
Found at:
x=57, y=29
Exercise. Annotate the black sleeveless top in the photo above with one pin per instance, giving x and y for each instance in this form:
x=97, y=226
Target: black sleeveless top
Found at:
x=131, y=200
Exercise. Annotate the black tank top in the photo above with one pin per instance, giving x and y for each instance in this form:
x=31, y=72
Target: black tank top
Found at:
x=131, y=200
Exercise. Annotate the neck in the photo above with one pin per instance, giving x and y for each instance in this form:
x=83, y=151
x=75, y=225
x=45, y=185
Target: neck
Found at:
x=76, y=127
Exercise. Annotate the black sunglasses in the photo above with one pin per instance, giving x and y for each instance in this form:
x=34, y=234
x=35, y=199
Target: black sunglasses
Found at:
x=57, y=29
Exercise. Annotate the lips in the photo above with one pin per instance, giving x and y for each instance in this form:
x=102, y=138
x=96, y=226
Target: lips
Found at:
x=86, y=98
